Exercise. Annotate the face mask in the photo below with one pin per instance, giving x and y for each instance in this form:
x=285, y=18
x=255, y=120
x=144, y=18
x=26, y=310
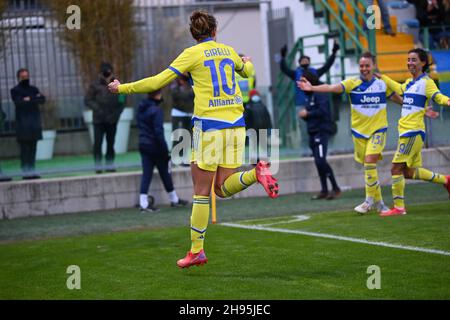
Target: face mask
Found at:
x=305, y=66
x=25, y=82
x=256, y=99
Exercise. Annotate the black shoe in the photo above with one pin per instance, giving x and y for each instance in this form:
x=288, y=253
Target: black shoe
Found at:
x=148, y=209
x=180, y=203
x=5, y=178
x=334, y=194
x=31, y=177
x=320, y=196
x=151, y=201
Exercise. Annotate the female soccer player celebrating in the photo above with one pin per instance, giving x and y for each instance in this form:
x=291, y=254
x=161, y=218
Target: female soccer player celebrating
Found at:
x=219, y=127
x=369, y=123
x=407, y=162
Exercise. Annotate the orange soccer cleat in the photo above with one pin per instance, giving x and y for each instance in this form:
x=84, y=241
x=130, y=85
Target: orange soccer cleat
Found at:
x=393, y=212
x=265, y=178
x=193, y=259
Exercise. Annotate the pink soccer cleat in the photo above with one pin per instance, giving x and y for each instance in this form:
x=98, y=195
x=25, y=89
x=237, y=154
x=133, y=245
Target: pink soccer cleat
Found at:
x=447, y=185
x=193, y=259
x=265, y=178
x=393, y=212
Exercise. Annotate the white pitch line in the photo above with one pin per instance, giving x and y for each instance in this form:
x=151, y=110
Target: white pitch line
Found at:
x=297, y=219
x=335, y=237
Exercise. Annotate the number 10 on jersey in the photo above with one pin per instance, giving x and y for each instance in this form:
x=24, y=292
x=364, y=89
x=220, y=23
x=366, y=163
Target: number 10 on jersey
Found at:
x=223, y=76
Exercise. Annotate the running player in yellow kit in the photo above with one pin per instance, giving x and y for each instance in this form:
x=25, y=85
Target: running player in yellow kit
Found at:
x=219, y=128
x=369, y=123
x=407, y=163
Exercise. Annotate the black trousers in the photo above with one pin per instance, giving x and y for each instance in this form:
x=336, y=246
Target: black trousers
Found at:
x=149, y=161
x=318, y=143
x=101, y=130
x=28, y=155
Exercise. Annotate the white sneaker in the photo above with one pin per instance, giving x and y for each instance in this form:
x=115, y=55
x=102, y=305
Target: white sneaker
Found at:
x=364, y=207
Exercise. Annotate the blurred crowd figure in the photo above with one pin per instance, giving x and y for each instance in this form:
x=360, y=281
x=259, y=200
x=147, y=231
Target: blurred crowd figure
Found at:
x=154, y=152
x=304, y=64
x=435, y=15
x=27, y=100
x=3, y=177
x=106, y=108
x=182, y=110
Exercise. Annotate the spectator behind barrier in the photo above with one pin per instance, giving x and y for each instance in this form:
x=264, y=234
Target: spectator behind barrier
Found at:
x=106, y=108
x=27, y=100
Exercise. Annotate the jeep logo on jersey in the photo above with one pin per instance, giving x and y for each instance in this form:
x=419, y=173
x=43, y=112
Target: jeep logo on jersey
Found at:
x=408, y=100
x=368, y=99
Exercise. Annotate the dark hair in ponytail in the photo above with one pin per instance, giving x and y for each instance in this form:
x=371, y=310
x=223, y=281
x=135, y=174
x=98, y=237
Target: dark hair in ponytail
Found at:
x=423, y=56
x=202, y=25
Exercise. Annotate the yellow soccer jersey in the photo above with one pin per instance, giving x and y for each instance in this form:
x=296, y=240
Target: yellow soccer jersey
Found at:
x=211, y=67
x=416, y=95
x=368, y=103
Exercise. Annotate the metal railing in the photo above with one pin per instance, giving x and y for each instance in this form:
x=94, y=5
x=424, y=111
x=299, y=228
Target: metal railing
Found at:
x=284, y=93
x=29, y=38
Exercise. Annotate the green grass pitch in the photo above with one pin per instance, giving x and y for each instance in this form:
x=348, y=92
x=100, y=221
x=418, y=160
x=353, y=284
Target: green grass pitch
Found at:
x=127, y=255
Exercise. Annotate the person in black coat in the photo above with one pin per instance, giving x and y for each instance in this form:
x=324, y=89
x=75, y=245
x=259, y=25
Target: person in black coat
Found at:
x=154, y=151
x=27, y=99
x=317, y=115
x=106, y=108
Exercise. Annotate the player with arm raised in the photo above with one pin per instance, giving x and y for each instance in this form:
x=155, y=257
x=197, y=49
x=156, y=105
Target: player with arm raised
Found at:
x=417, y=91
x=219, y=127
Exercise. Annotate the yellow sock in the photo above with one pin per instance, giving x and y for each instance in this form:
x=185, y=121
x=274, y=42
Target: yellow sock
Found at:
x=238, y=181
x=199, y=222
x=427, y=175
x=373, y=189
x=398, y=190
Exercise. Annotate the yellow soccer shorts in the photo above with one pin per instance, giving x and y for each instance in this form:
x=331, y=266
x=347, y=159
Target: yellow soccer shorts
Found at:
x=409, y=151
x=218, y=148
x=373, y=145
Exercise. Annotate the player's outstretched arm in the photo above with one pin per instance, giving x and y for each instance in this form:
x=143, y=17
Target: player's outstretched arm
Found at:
x=392, y=84
x=305, y=85
x=246, y=69
x=432, y=92
x=145, y=85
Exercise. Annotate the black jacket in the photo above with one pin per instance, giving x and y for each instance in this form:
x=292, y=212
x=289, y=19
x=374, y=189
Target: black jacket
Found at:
x=319, y=114
x=257, y=116
x=28, y=115
x=150, y=120
x=183, y=99
x=106, y=106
